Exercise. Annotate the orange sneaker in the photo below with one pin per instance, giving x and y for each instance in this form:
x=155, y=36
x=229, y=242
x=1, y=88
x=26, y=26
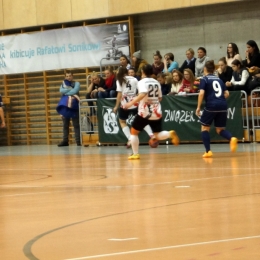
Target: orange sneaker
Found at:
x=207, y=154
x=174, y=137
x=233, y=144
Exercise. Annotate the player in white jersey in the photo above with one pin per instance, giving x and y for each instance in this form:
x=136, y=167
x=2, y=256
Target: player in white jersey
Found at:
x=126, y=87
x=149, y=111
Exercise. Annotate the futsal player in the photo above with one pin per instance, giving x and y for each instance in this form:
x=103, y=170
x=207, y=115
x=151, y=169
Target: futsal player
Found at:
x=214, y=91
x=149, y=112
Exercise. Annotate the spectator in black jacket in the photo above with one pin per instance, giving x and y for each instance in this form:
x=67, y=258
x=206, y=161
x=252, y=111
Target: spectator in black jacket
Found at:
x=189, y=63
x=224, y=71
x=252, y=55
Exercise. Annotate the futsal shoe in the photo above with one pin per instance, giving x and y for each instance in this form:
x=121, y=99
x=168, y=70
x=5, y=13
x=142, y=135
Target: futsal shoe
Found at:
x=233, y=144
x=134, y=157
x=207, y=154
x=174, y=137
x=63, y=143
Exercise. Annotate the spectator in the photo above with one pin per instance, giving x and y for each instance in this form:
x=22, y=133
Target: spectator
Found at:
x=124, y=62
x=252, y=55
x=189, y=63
x=109, y=90
x=177, y=78
x=169, y=63
x=187, y=83
x=131, y=72
x=224, y=72
x=2, y=117
x=138, y=62
x=200, y=62
x=240, y=77
x=92, y=92
x=70, y=92
x=161, y=78
x=157, y=63
x=232, y=53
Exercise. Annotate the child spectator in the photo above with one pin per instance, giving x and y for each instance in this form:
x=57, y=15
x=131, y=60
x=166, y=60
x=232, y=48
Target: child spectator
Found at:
x=161, y=78
x=177, y=78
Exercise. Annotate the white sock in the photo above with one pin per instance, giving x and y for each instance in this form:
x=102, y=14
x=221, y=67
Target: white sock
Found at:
x=126, y=131
x=135, y=143
x=163, y=135
x=148, y=130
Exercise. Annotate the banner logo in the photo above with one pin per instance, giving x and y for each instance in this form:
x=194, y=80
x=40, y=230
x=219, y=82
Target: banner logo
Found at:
x=110, y=121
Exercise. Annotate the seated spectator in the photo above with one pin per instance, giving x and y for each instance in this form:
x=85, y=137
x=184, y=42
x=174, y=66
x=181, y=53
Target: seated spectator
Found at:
x=232, y=53
x=189, y=63
x=200, y=62
x=169, y=63
x=187, y=83
x=177, y=78
x=157, y=63
x=138, y=62
x=224, y=71
x=161, y=77
x=109, y=90
x=2, y=117
x=92, y=92
x=124, y=62
x=131, y=72
x=252, y=55
x=240, y=77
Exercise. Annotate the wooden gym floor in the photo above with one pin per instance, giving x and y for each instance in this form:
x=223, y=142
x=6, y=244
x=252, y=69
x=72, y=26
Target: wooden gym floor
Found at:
x=92, y=203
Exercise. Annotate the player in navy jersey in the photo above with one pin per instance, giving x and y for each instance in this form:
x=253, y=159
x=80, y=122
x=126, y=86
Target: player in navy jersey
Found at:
x=214, y=91
x=149, y=111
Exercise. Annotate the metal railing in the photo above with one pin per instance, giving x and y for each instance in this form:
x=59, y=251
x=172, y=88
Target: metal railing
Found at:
x=255, y=111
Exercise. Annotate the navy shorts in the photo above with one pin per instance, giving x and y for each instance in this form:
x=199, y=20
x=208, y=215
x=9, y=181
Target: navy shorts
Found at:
x=140, y=123
x=219, y=118
x=123, y=114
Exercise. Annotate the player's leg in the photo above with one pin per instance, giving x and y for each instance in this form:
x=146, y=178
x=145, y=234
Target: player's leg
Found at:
x=220, y=124
x=160, y=134
x=206, y=120
x=123, y=115
x=137, y=126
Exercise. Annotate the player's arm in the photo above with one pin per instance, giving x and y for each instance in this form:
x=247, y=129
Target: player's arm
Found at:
x=135, y=100
x=226, y=93
x=200, y=99
x=118, y=99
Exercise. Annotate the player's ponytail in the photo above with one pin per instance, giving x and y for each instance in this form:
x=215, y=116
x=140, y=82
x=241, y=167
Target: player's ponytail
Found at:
x=210, y=66
x=120, y=76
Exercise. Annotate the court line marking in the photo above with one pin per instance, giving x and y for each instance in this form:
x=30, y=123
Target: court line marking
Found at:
x=114, y=186
x=163, y=248
x=122, y=239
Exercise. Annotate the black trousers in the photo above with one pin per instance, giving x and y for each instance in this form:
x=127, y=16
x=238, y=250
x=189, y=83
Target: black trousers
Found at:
x=66, y=124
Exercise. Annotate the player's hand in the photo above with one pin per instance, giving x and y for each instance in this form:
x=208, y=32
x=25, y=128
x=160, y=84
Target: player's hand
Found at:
x=2, y=125
x=115, y=110
x=198, y=112
x=126, y=106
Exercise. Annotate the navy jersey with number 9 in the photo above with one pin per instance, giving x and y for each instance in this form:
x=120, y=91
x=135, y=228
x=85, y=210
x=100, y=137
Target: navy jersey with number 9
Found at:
x=214, y=93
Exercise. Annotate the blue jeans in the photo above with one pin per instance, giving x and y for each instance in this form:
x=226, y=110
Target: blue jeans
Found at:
x=106, y=94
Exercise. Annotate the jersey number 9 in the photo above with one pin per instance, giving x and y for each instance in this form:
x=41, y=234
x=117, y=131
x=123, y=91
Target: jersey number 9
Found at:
x=217, y=88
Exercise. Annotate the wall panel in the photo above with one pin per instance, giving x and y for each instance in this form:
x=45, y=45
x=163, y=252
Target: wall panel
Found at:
x=210, y=26
x=51, y=12
x=85, y=10
x=1, y=16
x=19, y=14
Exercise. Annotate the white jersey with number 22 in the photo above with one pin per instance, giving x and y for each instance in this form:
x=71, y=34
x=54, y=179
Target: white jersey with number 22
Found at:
x=150, y=107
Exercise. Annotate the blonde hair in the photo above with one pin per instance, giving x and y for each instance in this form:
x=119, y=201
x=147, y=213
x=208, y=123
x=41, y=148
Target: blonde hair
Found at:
x=192, y=77
x=191, y=51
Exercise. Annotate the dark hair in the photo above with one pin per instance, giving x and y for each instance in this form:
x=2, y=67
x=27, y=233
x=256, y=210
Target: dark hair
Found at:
x=157, y=53
x=254, y=45
x=203, y=49
x=124, y=56
x=120, y=76
x=170, y=55
x=147, y=70
x=223, y=59
x=237, y=63
x=210, y=66
x=132, y=68
x=235, y=50
x=68, y=72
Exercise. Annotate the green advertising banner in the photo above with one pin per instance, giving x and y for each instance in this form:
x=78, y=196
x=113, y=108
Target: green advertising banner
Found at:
x=178, y=114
